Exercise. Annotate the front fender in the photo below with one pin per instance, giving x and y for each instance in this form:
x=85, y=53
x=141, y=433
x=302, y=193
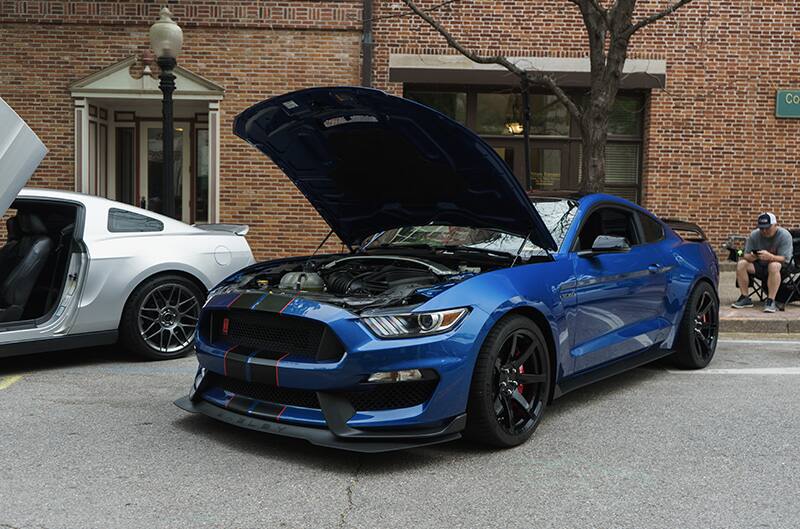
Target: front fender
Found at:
x=695, y=262
x=536, y=287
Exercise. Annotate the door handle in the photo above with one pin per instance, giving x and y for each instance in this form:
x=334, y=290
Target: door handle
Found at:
x=654, y=268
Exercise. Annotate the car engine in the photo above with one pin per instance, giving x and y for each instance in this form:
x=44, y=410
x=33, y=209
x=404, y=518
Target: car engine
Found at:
x=361, y=281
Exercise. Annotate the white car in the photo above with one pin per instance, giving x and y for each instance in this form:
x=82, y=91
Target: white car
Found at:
x=79, y=270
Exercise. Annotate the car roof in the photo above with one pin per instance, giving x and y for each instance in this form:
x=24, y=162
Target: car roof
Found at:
x=95, y=202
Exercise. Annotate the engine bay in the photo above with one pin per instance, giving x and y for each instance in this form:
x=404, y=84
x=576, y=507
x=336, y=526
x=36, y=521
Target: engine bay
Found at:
x=359, y=282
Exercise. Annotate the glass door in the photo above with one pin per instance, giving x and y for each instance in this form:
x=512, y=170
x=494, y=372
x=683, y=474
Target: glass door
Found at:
x=151, y=183
x=549, y=165
x=549, y=162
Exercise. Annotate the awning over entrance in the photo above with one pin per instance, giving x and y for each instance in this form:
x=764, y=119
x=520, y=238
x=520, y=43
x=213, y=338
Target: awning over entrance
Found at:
x=118, y=144
x=116, y=81
x=568, y=72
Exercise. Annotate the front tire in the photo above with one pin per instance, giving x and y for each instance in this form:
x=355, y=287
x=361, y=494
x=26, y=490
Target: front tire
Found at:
x=699, y=329
x=159, y=319
x=510, y=384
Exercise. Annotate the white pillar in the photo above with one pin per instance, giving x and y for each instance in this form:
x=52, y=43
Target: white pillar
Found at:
x=213, y=160
x=81, y=146
x=111, y=157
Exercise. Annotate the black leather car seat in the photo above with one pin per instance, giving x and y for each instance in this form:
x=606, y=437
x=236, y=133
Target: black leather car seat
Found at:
x=7, y=251
x=25, y=263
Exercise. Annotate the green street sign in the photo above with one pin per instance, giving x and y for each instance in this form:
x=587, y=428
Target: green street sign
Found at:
x=788, y=104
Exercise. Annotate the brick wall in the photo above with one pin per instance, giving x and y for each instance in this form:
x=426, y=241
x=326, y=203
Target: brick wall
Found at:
x=714, y=152
x=49, y=45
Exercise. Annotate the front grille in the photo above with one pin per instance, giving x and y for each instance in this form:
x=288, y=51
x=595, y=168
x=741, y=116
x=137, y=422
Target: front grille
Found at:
x=265, y=392
x=273, y=335
x=389, y=396
x=374, y=397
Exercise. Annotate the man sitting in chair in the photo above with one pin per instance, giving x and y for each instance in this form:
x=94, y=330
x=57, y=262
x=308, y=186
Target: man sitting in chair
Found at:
x=766, y=255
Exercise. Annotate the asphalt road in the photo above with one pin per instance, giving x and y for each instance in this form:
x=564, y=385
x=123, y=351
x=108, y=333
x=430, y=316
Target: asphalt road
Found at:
x=91, y=439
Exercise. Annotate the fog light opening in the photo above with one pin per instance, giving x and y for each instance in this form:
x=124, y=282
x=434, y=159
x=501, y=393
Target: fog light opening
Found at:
x=396, y=376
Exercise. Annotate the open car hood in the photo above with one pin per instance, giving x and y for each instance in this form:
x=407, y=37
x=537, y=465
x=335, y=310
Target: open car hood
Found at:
x=369, y=161
x=21, y=151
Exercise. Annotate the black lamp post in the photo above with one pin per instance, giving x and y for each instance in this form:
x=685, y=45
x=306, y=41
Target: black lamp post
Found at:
x=166, y=39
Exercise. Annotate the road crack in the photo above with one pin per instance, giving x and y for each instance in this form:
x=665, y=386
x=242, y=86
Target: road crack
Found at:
x=349, y=491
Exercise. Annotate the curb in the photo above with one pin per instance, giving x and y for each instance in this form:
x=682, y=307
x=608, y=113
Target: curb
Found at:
x=759, y=326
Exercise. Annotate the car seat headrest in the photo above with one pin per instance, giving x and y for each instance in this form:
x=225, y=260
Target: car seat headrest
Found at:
x=12, y=229
x=31, y=224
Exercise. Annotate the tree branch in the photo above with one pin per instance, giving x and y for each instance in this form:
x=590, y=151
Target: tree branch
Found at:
x=657, y=16
x=584, y=5
x=404, y=14
x=534, y=76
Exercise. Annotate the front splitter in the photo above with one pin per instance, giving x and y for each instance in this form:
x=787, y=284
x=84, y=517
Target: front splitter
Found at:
x=363, y=441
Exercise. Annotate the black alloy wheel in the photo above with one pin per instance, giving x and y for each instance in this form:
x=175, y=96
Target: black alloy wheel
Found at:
x=699, y=330
x=160, y=317
x=510, y=384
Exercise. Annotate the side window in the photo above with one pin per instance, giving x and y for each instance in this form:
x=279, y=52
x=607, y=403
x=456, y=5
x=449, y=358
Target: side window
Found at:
x=121, y=221
x=607, y=221
x=652, y=229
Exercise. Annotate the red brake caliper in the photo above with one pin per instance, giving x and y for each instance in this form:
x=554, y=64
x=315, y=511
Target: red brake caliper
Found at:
x=521, y=386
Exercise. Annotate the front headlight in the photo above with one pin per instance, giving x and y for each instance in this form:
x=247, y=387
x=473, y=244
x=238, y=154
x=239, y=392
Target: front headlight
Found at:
x=414, y=324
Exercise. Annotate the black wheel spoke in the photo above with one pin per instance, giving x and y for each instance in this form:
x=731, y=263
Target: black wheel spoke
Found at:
x=524, y=356
x=531, y=378
x=513, y=350
x=523, y=404
x=509, y=413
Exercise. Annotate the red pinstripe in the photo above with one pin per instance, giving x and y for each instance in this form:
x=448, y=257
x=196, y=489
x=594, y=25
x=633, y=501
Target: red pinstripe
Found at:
x=225, y=360
x=284, y=307
x=277, y=384
x=234, y=301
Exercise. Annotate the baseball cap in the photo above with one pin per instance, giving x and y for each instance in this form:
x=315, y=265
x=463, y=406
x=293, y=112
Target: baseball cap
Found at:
x=765, y=220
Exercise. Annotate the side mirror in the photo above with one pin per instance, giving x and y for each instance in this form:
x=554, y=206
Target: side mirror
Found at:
x=607, y=244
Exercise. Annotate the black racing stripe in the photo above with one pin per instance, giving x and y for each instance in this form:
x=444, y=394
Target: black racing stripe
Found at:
x=246, y=300
x=239, y=404
x=273, y=303
x=268, y=409
x=236, y=362
x=262, y=373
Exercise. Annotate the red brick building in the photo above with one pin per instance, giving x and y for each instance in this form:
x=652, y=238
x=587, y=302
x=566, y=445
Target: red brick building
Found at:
x=694, y=133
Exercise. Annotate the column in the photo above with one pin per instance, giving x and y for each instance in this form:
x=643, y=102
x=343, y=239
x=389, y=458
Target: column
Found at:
x=213, y=160
x=81, y=146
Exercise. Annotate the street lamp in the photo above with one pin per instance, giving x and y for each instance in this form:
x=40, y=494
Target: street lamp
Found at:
x=166, y=38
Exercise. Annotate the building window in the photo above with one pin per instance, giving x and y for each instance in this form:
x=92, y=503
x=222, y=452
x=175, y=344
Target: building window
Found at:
x=496, y=115
x=451, y=104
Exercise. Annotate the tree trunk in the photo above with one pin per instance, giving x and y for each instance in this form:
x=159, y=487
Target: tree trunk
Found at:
x=593, y=154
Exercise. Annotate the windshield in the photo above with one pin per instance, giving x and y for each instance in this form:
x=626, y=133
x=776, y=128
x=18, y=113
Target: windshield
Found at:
x=557, y=215
x=438, y=236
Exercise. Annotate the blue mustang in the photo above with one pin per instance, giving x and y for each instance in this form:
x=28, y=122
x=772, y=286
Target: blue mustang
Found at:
x=461, y=307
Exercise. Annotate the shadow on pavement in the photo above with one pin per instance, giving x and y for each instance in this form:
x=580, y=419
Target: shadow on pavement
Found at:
x=304, y=453
x=108, y=354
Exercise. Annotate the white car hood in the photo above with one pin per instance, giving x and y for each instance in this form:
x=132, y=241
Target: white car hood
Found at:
x=21, y=151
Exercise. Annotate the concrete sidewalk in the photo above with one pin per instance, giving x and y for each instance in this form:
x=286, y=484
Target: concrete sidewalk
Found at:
x=753, y=320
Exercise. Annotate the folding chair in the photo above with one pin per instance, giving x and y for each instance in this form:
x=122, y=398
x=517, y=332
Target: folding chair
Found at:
x=790, y=286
